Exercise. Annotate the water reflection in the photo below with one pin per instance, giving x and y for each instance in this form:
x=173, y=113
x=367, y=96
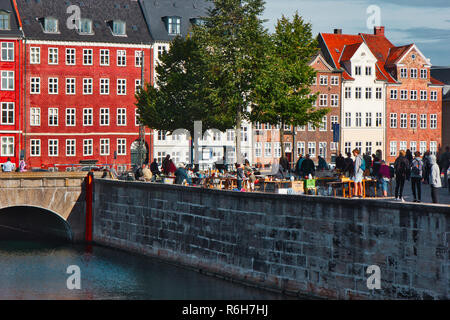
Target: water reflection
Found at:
x=37, y=270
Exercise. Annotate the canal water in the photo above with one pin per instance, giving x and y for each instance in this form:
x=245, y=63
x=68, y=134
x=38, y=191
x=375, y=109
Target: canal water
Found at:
x=34, y=269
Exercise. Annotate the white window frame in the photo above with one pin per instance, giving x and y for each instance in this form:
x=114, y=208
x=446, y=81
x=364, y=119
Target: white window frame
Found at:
x=71, y=149
x=70, y=117
x=88, y=117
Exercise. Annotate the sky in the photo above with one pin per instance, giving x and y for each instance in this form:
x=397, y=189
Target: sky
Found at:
x=423, y=22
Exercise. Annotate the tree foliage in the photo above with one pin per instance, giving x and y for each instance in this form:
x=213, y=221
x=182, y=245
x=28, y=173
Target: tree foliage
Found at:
x=282, y=93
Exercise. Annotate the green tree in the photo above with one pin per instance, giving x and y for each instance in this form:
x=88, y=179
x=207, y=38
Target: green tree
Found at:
x=233, y=39
x=282, y=94
x=181, y=94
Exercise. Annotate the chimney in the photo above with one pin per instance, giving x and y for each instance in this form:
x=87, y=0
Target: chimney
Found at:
x=337, y=31
x=378, y=31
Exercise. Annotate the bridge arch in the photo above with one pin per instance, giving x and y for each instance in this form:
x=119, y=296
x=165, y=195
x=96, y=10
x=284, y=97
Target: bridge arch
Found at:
x=33, y=222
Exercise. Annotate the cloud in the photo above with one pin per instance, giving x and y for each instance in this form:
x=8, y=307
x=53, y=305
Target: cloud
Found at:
x=419, y=3
x=425, y=33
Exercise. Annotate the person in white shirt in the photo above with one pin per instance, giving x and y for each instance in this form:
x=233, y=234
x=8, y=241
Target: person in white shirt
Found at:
x=8, y=166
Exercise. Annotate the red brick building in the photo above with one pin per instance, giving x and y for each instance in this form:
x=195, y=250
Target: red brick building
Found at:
x=81, y=81
x=11, y=72
x=413, y=97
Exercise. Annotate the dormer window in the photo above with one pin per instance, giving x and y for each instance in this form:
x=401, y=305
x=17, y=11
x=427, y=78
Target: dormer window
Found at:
x=4, y=20
x=173, y=25
x=50, y=25
x=197, y=21
x=118, y=28
x=85, y=26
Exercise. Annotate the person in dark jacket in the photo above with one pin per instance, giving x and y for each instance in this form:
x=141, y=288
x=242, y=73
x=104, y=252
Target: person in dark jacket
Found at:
x=181, y=175
x=154, y=168
x=322, y=165
x=416, y=177
x=239, y=176
x=165, y=165
x=426, y=167
x=402, y=172
x=308, y=166
x=409, y=155
x=375, y=165
x=298, y=166
x=340, y=162
x=348, y=170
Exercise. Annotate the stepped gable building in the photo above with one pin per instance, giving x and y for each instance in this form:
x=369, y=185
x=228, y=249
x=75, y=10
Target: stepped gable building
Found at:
x=443, y=74
x=83, y=64
x=390, y=100
x=11, y=72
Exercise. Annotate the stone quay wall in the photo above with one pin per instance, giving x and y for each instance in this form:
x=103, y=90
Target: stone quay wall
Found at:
x=301, y=245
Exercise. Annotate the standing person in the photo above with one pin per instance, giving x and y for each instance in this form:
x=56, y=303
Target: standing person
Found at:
x=8, y=166
x=284, y=165
x=308, y=166
x=22, y=166
x=416, y=177
x=298, y=165
x=409, y=155
x=348, y=170
x=445, y=163
x=384, y=176
x=322, y=165
x=146, y=173
x=435, y=179
x=359, y=168
x=171, y=168
x=239, y=176
x=426, y=167
x=402, y=169
x=340, y=162
x=181, y=175
x=165, y=165
x=249, y=174
x=375, y=165
x=368, y=161
x=154, y=168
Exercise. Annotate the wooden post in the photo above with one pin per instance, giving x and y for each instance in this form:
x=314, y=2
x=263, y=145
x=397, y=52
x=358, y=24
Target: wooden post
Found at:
x=89, y=196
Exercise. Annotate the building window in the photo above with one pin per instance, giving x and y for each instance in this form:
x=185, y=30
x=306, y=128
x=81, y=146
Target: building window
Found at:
x=334, y=120
x=358, y=119
x=104, y=116
x=121, y=86
x=413, y=146
x=87, y=117
x=403, y=145
x=368, y=71
x=334, y=100
x=423, y=95
x=35, y=147
x=393, y=148
x=433, y=121
x=357, y=71
x=413, y=73
x=87, y=147
x=119, y=28
x=433, y=147
x=403, y=94
x=50, y=25
x=52, y=85
x=174, y=25
x=4, y=21
x=334, y=81
x=268, y=149
x=104, y=57
x=7, y=113
x=85, y=26
x=413, y=94
x=277, y=149
x=393, y=118
x=347, y=147
x=312, y=149
x=368, y=93
x=7, y=51
x=104, y=147
x=35, y=116
x=35, y=55
x=121, y=58
x=122, y=147
x=433, y=96
x=403, y=73
x=358, y=93
x=161, y=50
x=136, y=117
x=323, y=100
x=70, y=57
x=161, y=135
x=423, y=73
x=348, y=119
x=7, y=80
x=403, y=120
x=323, y=149
x=323, y=80
x=52, y=55
x=244, y=134
x=311, y=127
x=300, y=148
x=333, y=146
x=138, y=59
x=394, y=93
x=104, y=86
x=379, y=119
x=70, y=85
x=35, y=85
x=368, y=119
x=137, y=85
x=87, y=57
x=413, y=121
x=378, y=93
x=70, y=117
x=423, y=147
x=52, y=147
x=53, y=116
x=423, y=121
x=369, y=147
x=70, y=147
x=87, y=85
x=323, y=125
x=348, y=93
x=121, y=117
x=358, y=145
